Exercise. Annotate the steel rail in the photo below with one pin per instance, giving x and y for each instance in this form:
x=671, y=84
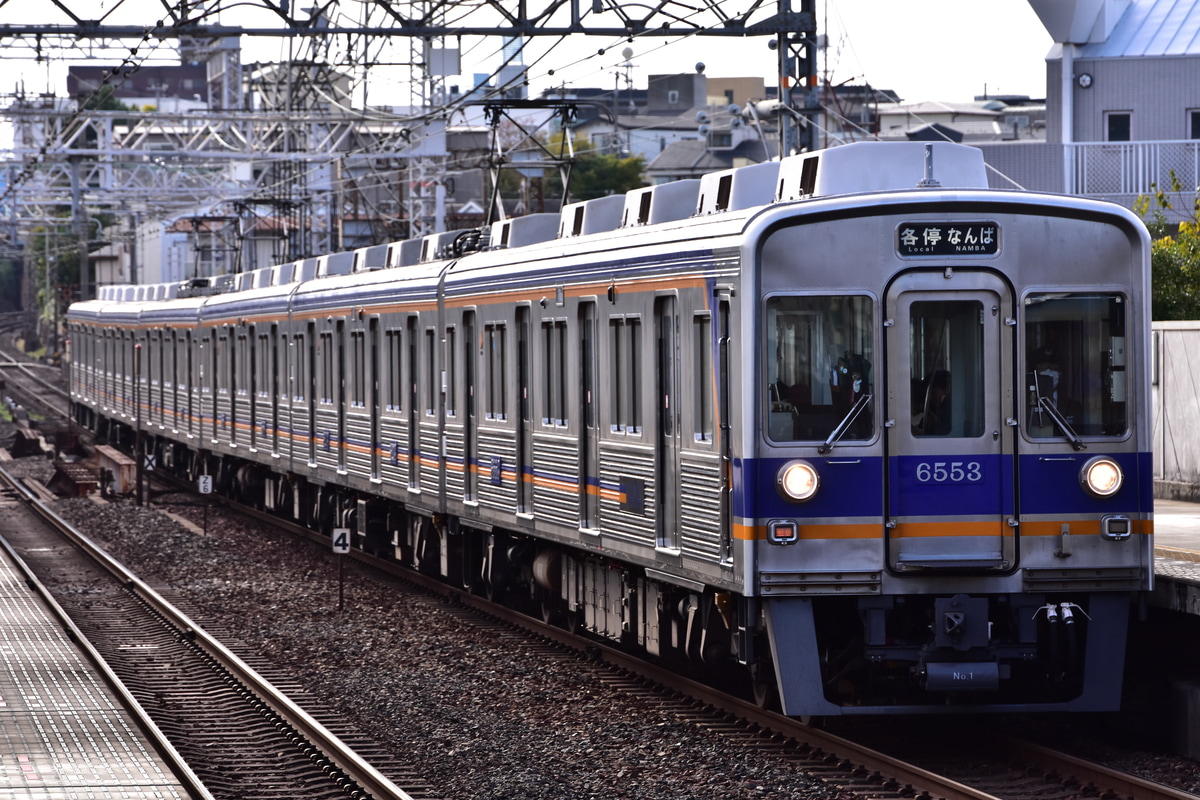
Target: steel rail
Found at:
x=923, y=782
x=1087, y=772
x=365, y=775
x=158, y=740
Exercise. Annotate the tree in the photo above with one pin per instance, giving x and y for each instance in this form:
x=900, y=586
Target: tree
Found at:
x=1174, y=259
x=596, y=174
x=599, y=174
x=1175, y=274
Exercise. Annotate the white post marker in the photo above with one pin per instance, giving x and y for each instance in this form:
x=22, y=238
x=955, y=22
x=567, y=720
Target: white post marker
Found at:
x=204, y=484
x=341, y=546
x=341, y=541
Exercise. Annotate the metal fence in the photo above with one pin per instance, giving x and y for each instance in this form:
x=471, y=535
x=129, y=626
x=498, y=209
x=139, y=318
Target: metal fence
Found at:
x=1116, y=171
x=1123, y=171
x=1175, y=402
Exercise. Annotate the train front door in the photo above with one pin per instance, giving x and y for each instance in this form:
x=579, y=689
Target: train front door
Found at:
x=950, y=500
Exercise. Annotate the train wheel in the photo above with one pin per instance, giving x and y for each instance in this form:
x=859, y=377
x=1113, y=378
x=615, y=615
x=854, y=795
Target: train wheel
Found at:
x=764, y=688
x=553, y=609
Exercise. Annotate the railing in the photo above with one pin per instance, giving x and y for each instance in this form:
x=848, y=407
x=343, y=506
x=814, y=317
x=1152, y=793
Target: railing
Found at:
x=1126, y=170
x=1116, y=171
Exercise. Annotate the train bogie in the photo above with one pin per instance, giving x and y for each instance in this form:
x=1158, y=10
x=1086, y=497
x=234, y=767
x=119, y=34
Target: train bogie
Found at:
x=877, y=445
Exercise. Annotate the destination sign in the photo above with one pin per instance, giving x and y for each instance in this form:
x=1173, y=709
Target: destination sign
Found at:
x=947, y=239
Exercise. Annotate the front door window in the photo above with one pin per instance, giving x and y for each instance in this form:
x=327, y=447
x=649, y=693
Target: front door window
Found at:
x=946, y=368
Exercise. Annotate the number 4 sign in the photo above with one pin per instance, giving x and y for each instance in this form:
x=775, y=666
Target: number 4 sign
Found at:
x=341, y=540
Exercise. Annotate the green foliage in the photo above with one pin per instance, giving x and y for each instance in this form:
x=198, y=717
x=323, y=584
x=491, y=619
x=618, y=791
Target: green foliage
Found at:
x=104, y=99
x=1174, y=259
x=595, y=174
x=1175, y=271
x=598, y=174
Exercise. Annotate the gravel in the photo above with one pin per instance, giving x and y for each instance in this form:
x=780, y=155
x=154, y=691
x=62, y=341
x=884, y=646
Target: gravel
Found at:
x=480, y=716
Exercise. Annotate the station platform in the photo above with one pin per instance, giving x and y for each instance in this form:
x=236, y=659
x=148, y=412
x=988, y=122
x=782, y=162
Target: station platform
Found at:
x=63, y=731
x=1177, y=556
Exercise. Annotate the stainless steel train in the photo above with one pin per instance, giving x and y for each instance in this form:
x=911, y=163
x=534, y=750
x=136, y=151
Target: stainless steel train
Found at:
x=850, y=430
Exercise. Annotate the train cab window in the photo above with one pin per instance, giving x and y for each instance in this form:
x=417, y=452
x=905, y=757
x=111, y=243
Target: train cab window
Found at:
x=819, y=367
x=1074, y=369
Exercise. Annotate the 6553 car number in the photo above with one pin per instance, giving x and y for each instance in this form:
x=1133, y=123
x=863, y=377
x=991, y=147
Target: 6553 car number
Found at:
x=949, y=472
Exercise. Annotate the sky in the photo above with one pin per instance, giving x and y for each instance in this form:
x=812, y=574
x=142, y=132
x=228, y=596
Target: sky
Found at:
x=950, y=50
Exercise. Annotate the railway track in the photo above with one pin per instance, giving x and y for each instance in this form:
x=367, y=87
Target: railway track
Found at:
x=998, y=767
x=855, y=769
x=240, y=735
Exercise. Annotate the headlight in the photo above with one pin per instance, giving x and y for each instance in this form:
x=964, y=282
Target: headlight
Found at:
x=1102, y=477
x=798, y=480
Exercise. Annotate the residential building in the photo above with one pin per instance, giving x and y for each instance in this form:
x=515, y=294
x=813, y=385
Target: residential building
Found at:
x=1122, y=100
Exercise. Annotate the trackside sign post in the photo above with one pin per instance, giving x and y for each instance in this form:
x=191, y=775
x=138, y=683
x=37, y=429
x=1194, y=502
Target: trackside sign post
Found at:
x=205, y=485
x=341, y=546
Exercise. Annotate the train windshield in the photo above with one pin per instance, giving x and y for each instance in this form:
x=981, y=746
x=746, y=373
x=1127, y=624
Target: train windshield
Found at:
x=819, y=364
x=1075, y=365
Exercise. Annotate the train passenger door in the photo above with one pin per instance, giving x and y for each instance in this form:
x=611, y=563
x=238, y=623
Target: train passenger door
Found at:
x=309, y=384
x=414, y=400
x=341, y=405
x=524, y=414
x=278, y=364
x=666, y=324
x=254, y=356
x=190, y=388
x=950, y=502
x=374, y=403
x=470, y=359
x=589, y=435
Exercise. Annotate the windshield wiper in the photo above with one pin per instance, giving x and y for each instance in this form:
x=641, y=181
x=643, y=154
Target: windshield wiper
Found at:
x=1065, y=427
x=845, y=424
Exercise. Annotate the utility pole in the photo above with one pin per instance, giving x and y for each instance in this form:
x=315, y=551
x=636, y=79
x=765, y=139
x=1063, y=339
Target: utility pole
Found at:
x=79, y=223
x=797, y=51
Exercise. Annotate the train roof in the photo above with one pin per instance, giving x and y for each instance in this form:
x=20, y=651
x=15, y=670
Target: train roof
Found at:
x=649, y=222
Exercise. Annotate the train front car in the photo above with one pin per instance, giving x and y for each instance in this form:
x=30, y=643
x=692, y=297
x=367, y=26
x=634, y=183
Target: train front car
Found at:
x=951, y=499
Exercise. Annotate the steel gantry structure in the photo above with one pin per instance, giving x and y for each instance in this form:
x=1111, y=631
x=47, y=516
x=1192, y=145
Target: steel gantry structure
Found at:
x=298, y=138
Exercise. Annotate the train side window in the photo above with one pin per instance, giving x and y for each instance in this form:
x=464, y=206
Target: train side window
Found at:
x=495, y=344
x=1074, y=369
x=262, y=381
x=554, y=372
x=625, y=347
x=220, y=361
x=819, y=353
x=358, y=369
x=299, y=379
x=702, y=341
x=450, y=386
x=242, y=362
x=431, y=385
x=325, y=381
x=394, y=371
